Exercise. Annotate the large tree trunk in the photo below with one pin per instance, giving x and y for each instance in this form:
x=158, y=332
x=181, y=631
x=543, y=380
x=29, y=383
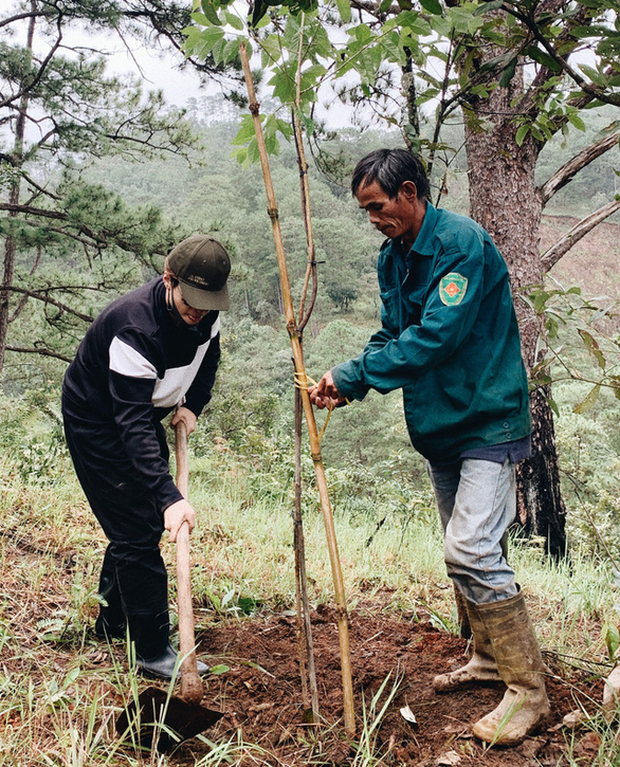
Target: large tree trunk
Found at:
x=504, y=199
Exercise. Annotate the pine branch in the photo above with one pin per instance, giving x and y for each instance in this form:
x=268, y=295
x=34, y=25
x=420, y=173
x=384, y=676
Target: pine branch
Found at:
x=42, y=351
x=42, y=295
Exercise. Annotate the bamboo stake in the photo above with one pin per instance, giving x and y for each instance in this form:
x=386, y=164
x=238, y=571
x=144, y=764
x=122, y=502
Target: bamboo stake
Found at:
x=302, y=382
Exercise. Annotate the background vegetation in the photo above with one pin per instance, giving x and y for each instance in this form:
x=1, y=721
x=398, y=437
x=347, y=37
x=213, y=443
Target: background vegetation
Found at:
x=252, y=408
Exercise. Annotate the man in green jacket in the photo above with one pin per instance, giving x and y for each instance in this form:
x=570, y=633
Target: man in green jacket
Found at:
x=450, y=341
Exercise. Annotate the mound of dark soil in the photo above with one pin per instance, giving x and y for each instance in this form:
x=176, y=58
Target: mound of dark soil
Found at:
x=262, y=698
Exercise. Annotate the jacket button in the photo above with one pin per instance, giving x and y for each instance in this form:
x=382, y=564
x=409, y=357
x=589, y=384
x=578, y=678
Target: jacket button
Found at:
x=509, y=435
x=505, y=424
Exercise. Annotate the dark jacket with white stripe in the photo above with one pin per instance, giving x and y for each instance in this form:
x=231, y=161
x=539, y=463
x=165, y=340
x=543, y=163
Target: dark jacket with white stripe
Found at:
x=133, y=367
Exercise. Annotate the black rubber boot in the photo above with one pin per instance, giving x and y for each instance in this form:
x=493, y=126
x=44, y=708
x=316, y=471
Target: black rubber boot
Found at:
x=110, y=623
x=155, y=656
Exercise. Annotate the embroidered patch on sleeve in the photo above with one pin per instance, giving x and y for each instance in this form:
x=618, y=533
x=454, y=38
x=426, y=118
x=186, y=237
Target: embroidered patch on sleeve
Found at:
x=452, y=289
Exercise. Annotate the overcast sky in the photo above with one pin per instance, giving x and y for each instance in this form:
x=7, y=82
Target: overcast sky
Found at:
x=162, y=72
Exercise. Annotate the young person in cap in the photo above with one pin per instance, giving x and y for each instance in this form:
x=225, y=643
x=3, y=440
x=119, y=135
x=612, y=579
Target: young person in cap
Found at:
x=450, y=341
x=151, y=352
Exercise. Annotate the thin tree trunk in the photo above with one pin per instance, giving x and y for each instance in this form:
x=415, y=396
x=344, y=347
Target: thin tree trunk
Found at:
x=8, y=272
x=304, y=628
x=10, y=245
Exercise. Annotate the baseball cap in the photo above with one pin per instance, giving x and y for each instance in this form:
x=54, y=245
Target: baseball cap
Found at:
x=201, y=265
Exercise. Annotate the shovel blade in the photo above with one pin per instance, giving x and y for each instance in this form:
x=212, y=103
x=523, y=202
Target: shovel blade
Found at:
x=164, y=721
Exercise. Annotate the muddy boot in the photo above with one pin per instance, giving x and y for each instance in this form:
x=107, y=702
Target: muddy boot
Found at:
x=110, y=623
x=519, y=662
x=155, y=656
x=481, y=669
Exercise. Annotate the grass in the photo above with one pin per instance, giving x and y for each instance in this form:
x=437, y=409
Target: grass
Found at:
x=59, y=707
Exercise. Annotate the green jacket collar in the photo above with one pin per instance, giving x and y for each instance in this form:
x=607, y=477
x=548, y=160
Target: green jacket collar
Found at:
x=424, y=242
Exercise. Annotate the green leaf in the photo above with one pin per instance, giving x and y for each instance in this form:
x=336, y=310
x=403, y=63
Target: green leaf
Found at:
x=286, y=129
x=412, y=23
x=272, y=144
x=508, y=73
x=493, y=5
x=522, y=133
x=576, y=121
x=271, y=48
x=309, y=126
x=221, y=668
x=233, y=20
x=432, y=6
x=241, y=155
x=361, y=33
x=209, y=11
x=253, y=153
x=542, y=57
x=344, y=9
x=462, y=21
x=593, y=347
x=198, y=18
x=496, y=63
x=611, y=637
x=598, y=78
x=231, y=51
x=218, y=50
x=246, y=131
x=283, y=87
x=589, y=402
x=554, y=406
x=537, y=133
x=208, y=39
x=552, y=326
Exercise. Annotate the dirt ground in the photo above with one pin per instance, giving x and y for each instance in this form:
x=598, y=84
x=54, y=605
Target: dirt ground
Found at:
x=261, y=696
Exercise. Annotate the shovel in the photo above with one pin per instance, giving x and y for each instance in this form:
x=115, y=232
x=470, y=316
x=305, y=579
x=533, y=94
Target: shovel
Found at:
x=166, y=719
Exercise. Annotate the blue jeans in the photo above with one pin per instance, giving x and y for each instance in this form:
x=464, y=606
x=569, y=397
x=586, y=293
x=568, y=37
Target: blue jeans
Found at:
x=477, y=503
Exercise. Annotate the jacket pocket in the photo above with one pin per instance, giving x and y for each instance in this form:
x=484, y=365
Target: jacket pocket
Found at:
x=390, y=310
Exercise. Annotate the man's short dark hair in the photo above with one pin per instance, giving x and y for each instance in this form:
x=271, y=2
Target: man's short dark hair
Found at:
x=390, y=168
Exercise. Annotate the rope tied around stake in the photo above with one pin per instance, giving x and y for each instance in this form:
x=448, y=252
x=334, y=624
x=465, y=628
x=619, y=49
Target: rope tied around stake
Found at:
x=301, y=382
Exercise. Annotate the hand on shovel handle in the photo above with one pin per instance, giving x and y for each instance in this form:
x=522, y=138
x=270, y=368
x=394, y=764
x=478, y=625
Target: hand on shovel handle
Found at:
x=180, y=514
x=191, y=684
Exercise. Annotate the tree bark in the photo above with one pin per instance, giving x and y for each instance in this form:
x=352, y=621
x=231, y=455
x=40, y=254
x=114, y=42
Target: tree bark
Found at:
x=10, y=245
x=506, y=202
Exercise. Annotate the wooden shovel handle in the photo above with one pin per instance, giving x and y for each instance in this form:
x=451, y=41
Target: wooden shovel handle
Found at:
x=191, y=685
